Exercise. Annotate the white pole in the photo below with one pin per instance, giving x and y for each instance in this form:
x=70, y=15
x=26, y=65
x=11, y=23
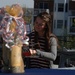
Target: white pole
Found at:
x=64, y=17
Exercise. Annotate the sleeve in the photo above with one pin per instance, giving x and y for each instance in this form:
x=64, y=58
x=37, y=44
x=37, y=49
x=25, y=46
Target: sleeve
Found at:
x=53, y=53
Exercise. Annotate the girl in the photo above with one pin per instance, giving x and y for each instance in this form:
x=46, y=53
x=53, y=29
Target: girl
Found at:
x=43, y=44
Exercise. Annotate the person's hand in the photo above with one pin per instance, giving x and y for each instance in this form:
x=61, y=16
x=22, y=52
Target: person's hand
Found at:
x=32, y=51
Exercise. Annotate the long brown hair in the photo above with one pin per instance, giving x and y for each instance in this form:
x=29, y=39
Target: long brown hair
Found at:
x=47, y=18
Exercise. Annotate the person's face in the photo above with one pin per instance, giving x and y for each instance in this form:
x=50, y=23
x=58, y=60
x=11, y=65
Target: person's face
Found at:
x=39, y=25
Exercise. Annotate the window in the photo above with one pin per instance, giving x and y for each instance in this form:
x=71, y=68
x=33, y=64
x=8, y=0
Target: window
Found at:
x=66, y=7
x=59, y=23
x=73, y=22
x=60, y=7
x=54, y=23
x=43, y=5
x=65, y=24
x=72, y=27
